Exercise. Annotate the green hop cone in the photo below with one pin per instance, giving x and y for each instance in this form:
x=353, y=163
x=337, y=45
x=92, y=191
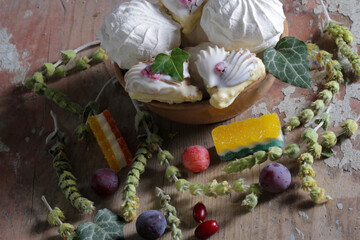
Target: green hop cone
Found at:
x=309, y=136
x=82, y=63
x=306, y=170
x=67, y=56
x=60, y=71
x=65, y=229
x=99, y=56
x=329, y=139
x=323, y=57
x=182, y=185
x=333, y=87
x=315, y=149
x=325, y=117
x=239, y=186
x=172, y=171
x=256, y=189
x=313, y=49
x=165, y=156
x=306, y=158
x=48, y=69
x=306, y=115
x=308, y=183
x=317, y=194
x=325, y=96
x=196, y=189
x=317, y=106
x=260, y=157
x=292, y=150
x=54, y=216
x=209, y=189
x=223, y=188
x=275, y=153
x=293, y=122
x=250, y=201
x=336, y=76
x=333, y=65
x=39, y=78
x=349, y=127
x=30, y=82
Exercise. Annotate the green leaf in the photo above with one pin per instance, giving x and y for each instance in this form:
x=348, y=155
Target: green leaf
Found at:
x=172, y=65
x=106, y=226
x=289, y=62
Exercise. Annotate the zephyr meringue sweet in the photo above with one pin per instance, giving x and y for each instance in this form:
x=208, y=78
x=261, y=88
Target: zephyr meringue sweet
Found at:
x=252, y=24
x=227, y=74
x=136, y=31
x=144, y=85
x=186, y=12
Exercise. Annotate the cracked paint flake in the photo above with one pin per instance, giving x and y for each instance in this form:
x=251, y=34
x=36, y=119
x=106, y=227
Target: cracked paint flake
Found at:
x=301, y=234
x=28, y=13
x=3, y=147
x=339, y=206
x=304, y=215
x=9, y=58
x=259, y=110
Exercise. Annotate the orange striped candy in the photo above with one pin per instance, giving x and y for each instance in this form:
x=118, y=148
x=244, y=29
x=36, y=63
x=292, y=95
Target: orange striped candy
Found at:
x=110, y=140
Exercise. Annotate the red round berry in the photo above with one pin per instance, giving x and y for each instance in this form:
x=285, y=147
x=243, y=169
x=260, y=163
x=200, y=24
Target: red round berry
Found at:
x=206, y=229
x=199, y=212
x=196, y=158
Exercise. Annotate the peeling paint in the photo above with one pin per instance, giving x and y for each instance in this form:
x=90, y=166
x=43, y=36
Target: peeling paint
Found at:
x=301, y=234
x=3, y=147
x=27, y=139
x=9, y=58
x=28, y=13
x=298, y=103
x=351, y=157
x=259, y=110
x=304, y=215
x=292, y=237
x=339, y=206
x=339, y=228
x=348, y=9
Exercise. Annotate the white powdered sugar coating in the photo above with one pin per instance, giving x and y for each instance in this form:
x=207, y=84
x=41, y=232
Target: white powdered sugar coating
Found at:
x=252, y=24
x=137, y=31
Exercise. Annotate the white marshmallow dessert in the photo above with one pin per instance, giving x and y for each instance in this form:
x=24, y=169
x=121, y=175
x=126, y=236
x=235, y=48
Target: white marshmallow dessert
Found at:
x=186, y=12
x=226, y=74
x=145, y=86
x=136, y=31
x=251, y=24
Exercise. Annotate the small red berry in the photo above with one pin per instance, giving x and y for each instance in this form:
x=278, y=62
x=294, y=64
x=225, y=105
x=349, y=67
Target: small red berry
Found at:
x=196, y=158
x=199, y=212
x=206, y=229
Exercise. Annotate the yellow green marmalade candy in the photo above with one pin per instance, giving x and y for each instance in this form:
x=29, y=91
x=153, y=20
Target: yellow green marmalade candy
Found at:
x=242, y=138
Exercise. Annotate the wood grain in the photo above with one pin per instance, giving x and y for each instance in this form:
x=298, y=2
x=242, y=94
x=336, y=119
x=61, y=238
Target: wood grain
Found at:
x=40, y=30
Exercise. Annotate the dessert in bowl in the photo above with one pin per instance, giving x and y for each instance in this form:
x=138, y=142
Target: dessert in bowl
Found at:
x=220, y=80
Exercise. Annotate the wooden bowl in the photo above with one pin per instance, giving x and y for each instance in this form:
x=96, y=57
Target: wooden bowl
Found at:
x=203, y=112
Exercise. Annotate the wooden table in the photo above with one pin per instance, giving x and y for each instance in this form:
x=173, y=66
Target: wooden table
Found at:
x=34, y=32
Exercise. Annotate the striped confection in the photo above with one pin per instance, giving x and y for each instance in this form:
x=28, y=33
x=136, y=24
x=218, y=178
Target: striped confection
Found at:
x=110, y=140
x=242, y=138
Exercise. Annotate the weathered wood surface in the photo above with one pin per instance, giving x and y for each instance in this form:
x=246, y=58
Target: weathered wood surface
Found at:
x=36, y=31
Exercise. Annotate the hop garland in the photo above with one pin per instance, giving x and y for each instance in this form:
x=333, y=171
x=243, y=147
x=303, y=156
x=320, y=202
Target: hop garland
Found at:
x=170, y=213
x=62, y=166
x=56, y=218
x=275, y=153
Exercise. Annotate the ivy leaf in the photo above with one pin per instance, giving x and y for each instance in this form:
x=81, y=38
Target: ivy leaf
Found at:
x=172, y=65
x=106, y=226
x=289, y=62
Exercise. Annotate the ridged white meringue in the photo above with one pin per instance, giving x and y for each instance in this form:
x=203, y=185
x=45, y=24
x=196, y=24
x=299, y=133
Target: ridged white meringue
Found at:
x=188, y=15
x=136, y=31
x=162, y=89
x=226, y=74
x=252, y=24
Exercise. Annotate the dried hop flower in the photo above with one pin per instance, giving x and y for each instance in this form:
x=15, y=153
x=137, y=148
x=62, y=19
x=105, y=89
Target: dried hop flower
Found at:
x=329, y=139
x=349, y=127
